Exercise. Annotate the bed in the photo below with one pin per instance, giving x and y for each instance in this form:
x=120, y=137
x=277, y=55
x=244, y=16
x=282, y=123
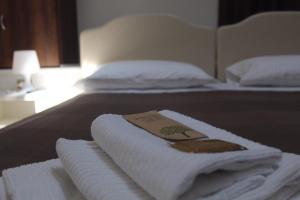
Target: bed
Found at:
x=264, y=116
x=272, y=33
x=267, y=117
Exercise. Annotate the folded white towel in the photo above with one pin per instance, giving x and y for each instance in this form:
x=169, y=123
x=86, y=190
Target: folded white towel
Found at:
x=46, y=180
x=280, y=185
x=227, y=185
x=3, y=194
x=296, y=196
x=164, y=172
x=242, y=175
x=98, y=177
x=29, y=185
x=95, y=174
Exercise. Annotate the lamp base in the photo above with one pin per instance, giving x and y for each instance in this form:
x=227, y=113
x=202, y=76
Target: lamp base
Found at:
x=24, y=86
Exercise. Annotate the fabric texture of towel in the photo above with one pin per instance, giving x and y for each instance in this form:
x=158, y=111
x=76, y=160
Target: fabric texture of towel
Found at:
x=3, y=193
x=126, y=162
x=164, y=172
x=62, y=188
x=280, y=185
x=46, y=180
x=95, y=174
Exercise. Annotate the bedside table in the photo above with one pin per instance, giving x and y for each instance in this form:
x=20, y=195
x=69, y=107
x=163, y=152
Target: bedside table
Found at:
x=13, y=109
x=18, y=106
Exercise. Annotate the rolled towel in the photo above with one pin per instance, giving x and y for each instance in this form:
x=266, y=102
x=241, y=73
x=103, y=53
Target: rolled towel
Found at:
x=166, y=173
x=45, y=180
x=98, y=177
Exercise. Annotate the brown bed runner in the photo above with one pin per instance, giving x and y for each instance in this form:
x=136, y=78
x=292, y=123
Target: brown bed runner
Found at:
x=271, y=118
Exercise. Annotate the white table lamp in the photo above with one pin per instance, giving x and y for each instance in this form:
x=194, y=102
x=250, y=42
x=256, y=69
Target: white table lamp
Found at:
x=26, y=62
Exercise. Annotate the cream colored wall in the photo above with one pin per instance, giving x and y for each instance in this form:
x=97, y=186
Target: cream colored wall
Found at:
x=92, y=13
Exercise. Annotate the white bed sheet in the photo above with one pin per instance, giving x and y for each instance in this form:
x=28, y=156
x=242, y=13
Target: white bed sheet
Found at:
x=233, y=87
x=209, y=87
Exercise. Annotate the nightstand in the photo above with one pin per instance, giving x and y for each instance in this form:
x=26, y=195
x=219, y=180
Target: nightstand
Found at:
x=16, y=107
x=13, y=109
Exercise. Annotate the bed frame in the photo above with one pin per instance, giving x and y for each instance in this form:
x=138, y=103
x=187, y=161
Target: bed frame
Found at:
x=141, y=37
x=162, y=37
x=272, y=33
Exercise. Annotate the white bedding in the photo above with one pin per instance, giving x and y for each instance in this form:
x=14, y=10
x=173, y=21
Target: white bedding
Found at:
x=236, y=87
x=157, y=76
x=279, y=70
x=206, y=88
x=141, y=74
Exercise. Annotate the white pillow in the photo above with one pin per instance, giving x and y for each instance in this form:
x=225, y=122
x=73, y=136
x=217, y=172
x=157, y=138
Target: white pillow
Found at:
x=266, y=71
x=146, y=74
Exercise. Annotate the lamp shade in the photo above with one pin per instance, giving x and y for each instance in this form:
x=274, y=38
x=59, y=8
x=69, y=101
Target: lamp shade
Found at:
x=25, y=62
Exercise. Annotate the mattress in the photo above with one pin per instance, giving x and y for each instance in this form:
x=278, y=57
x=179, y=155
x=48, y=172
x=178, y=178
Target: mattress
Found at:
x=271, y=118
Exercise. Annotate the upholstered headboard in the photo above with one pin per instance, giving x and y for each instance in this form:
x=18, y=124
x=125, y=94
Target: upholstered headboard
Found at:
x=157, y=37
x=271, y=33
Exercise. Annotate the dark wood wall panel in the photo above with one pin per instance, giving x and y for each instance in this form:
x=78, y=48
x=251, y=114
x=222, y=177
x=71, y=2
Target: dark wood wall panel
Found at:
x=68, y=31
x=6, y=45
x=48, y=26
x=44, y=28
x=233, y=11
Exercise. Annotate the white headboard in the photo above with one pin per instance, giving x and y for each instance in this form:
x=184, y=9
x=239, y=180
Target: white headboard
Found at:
x=272, y=33
x=141, y=37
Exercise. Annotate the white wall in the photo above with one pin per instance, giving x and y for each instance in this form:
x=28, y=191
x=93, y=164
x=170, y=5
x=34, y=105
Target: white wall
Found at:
x=92, y=13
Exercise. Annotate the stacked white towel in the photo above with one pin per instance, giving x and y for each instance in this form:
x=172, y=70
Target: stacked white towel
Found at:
x=282, y=184
x=135, y=165
x=166, y=173
x=3, y=193
x=37, y=181
x=95, y=174
x=98, y=177
x=46, y=180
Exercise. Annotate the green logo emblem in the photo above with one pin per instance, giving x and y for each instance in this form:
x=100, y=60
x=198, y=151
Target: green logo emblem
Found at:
x=171, y=130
